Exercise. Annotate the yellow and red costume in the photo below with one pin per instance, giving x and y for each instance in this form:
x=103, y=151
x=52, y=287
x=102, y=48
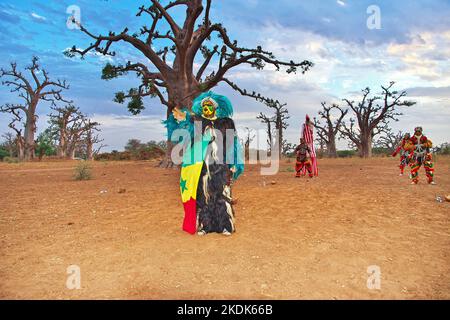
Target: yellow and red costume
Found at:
x=420, y=145
x=405, y=154
x=303, y=153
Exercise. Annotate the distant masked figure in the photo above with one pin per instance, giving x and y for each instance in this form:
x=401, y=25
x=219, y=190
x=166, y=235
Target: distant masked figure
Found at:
x=212, y=160
x=308, y=136
x=303, y=155
x=421, y=146
x=405, y=154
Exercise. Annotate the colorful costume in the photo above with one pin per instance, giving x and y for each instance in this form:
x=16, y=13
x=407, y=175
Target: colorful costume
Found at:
x=303, y=163
x=420, y=146
x=308, y=135
x=405, y=154
x=211, y=160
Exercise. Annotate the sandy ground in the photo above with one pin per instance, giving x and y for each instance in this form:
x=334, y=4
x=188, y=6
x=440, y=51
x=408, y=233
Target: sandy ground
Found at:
x=296, y=239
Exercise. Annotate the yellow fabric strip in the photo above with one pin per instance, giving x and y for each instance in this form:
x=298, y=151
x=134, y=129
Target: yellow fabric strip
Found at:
x=189, y=181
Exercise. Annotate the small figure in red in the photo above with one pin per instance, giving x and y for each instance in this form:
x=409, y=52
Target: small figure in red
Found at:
x=405, y=154
x=303, y=153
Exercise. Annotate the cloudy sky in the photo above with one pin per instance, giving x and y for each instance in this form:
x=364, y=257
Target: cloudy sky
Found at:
x=412, y=48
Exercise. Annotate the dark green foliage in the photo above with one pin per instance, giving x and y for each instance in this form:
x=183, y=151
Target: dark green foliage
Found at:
x=136, y=150
x=3, y=153
x=346, y=153
x=136, y=105
x=45, y=145
x=120, y=97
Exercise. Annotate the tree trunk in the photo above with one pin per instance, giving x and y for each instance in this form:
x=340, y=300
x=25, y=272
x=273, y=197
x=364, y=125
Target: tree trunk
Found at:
x=62, y=144
x=366, y=146
x=20, y=148
x=30, y=129
x=331, y=148
x=71, y=153
x=181, y=96
x=89, y=151
x=29, y=139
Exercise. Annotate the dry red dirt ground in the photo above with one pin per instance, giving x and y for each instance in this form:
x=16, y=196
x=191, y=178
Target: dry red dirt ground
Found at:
x=296, y=239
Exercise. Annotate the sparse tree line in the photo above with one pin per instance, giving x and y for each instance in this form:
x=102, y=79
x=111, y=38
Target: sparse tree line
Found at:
x=363, y=123
x=70, y=133
x=136, y=150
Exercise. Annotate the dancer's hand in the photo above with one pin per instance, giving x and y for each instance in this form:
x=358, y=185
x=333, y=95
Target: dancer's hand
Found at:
x=179, y=115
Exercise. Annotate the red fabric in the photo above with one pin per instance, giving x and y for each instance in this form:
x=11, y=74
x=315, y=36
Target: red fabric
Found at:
x=300, y=166
x=308, y=135
x=190, y=216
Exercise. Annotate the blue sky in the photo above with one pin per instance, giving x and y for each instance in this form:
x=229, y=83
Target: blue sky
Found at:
x=412, y=48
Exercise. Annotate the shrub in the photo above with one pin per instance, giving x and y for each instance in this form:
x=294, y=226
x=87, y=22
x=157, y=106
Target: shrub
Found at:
x=10, y=160
x=3, y=153
x=346, y=153
x=83, y=171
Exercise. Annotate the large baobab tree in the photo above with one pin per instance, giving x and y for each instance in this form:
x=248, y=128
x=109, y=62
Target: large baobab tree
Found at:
x=81, y=136
x=73, y=131
x=60, y=122
x=373, y=114
x=281, y=116
x=178, y=60
x=91, y=138
x=31, y=92
x=328, y=131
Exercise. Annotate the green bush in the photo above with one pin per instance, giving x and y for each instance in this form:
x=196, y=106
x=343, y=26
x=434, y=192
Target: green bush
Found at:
x=10, y=160
x=83, y=171
x=3, y=153
x=346, y=153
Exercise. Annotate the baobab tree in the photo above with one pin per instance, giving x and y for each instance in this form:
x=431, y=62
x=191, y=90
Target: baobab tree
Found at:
x=40, y=88
x=389, y=140
x=281, y=115
x=60, y=122
x=192, y=50
x=72, y=129
x=248, y=138
x=278, y=120
x=15, y=124
x=268, y=121
x=9, y=143
x=328, y=131
x=373, y=114
x=90, y=138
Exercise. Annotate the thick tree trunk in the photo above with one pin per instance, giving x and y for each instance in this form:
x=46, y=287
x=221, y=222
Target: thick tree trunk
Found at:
x=30, y=129
x=29, y=140
x=181, y=96
x=20, y=148
x=62, y=144
x=331, y=148
x=366, y=146
x=71, y=153
x=89, y=151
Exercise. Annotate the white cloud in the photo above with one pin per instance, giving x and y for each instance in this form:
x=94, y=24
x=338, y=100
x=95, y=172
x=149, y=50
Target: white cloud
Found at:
x=38, y=17
x=341, y=3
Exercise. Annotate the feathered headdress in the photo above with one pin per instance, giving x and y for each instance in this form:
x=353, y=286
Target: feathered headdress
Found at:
x=224, y=108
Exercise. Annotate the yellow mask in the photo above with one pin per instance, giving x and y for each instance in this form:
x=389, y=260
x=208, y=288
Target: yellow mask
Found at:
x=209, y=109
